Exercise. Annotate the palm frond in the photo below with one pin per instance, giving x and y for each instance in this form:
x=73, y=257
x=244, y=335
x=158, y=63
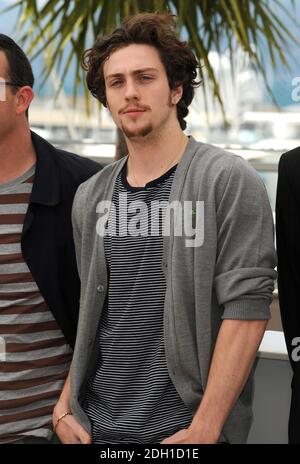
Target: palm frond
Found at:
x=63, y=29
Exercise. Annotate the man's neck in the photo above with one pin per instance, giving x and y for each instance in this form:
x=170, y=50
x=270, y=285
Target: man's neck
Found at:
x=149, y=158
x=17, y=155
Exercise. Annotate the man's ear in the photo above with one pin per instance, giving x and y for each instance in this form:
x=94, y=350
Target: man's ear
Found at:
x=176, y=94
x=24, y=97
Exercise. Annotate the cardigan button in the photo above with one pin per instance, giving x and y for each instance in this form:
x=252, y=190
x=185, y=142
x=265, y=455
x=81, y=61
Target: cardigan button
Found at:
x=100, y=288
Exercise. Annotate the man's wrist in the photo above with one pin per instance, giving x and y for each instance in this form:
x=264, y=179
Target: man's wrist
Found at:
x=204, y=431
x=60, y=408
x=61, y=417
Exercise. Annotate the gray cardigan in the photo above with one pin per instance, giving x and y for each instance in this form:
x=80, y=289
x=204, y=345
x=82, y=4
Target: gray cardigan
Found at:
x=230, y=276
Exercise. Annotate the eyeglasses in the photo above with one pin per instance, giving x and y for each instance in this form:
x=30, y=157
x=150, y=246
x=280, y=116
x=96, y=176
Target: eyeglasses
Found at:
x=12, y=84
x=3, y=84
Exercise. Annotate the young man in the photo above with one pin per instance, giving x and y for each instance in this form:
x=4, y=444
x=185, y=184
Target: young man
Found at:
x=288, y=248
x=173, y=305
x=39, y=283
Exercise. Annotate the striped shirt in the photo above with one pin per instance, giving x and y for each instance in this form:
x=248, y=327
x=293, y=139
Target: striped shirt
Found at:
x=34, y=356
x=131, y=398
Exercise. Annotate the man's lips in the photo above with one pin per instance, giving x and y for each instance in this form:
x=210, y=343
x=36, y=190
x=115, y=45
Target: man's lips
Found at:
x=134, y=111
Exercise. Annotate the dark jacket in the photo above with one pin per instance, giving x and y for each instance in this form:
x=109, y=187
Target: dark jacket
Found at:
x=47, y=238
x=288, y=249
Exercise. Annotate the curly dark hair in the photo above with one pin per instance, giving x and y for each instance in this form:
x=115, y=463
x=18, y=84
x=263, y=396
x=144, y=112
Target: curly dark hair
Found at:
x=153, y=29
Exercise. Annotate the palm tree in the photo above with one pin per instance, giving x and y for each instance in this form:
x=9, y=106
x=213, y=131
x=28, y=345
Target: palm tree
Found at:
x=65, y=28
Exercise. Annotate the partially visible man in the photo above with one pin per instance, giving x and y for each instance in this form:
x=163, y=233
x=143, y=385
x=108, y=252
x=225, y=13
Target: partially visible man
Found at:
x=288, y=249
x=176, y=253
x=39, y=283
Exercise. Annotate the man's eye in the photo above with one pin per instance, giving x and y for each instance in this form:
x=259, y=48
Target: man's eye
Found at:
x=115, y=83
x=146, y=78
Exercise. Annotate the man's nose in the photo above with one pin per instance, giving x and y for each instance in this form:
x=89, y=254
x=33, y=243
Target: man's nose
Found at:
x=131, y=90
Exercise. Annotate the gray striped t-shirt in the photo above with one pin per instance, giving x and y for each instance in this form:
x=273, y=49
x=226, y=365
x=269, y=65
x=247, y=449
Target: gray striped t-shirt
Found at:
x=34, y=356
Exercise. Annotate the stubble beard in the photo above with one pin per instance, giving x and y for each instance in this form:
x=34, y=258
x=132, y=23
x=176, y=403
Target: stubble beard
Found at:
x=147, y=129
x=142, y=132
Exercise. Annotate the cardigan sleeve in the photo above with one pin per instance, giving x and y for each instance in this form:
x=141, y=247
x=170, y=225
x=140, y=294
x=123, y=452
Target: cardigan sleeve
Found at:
x=244, y=277
x=78, y=210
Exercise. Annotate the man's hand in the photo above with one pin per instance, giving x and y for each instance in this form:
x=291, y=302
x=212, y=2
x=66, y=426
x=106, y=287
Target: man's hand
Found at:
x=69, y=431
x=233, y=357
x=188, y=436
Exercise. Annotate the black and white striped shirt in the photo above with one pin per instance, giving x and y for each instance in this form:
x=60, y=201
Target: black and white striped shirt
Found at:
x=131, y=398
